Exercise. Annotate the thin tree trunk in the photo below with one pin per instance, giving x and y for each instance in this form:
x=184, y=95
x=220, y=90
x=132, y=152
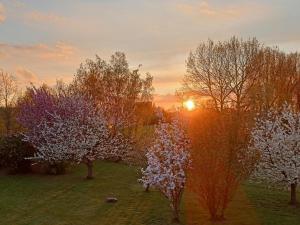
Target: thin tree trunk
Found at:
x=293, y=194
x=176, y=206
x=147, y=188
x=176, y=214
x=89, y=165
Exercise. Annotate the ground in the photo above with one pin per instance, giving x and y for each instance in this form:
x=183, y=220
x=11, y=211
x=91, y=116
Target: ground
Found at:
x=71, y=200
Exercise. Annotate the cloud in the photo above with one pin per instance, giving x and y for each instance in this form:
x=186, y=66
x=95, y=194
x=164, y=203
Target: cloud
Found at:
x=206, y=10
x=2, y=13
x=26, y=75
x=41, y=17
x=59, y=51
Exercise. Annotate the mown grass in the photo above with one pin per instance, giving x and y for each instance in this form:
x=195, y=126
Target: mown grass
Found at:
x=71, y=200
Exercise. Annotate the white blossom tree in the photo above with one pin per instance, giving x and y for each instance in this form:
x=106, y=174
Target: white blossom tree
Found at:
x=75, y=132
x=168, y=159
x=277, y=139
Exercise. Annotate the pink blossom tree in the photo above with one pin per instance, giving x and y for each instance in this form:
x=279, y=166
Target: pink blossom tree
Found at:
x=36, y=106
x=168, y=159
x=276, y=137
x=68, y=128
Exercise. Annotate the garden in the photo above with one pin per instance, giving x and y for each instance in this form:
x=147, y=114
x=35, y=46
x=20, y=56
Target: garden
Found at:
x=98, y=151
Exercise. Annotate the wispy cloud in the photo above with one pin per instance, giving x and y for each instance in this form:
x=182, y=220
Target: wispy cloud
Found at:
x=42, y=17
x=26, y=76
x=60, y=51
x=204, y=9
x=2, y=13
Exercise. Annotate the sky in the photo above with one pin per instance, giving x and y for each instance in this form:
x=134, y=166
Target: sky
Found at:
x=45, y=40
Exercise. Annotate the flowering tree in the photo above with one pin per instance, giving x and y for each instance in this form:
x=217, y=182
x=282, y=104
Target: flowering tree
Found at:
x=277, y=138
x=36, y=106
x=75, y=132
x=68, y=128
x=168, y=159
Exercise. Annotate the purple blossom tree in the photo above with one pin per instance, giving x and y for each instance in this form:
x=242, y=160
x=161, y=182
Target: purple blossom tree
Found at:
x=36, y=106
x=68, y=128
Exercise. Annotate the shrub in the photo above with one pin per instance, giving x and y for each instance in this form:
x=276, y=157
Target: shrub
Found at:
x=13, y=154
x=218, y=167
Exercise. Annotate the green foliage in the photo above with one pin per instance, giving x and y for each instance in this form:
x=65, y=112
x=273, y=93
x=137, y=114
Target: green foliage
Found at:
x=13, y=154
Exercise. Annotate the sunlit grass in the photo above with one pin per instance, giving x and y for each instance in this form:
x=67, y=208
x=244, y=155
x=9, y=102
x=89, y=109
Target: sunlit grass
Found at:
x=71, y=200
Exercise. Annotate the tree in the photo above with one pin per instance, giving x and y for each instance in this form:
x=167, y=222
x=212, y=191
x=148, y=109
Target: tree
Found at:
x=168, y=159
x=277, y=81
x=218, y=163
x=113, y=87
x=206, y=74
x=67, y=128
x=276, y=137
x=35, y=106
x=8, y=95
x=224, y=71
x=76, y=132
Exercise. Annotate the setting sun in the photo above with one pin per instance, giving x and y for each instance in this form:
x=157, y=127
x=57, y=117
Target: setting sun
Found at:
x=189, y=105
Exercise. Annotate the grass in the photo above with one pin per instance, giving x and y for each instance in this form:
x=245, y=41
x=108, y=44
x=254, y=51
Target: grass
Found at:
x=71, y=200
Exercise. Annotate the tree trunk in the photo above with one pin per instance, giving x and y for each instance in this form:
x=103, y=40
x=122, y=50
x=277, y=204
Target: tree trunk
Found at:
x=176, y=215
x=176, y=208
x=89, y=165
x=293, y=194
x=147, y=188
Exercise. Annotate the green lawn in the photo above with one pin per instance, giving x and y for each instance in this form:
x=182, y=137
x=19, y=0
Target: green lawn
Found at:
x=71, y=200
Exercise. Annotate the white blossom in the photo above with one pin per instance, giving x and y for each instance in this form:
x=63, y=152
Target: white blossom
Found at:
x=168, y=159
x=277, y=139
x=76, y=133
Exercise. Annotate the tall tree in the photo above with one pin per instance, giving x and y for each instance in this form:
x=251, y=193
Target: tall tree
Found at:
x=223, y=71
x=8, y=97
x=277, y=81
x=218, y=160
x=113, y=87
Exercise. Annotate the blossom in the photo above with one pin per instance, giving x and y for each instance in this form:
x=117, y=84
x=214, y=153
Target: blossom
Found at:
x=168, y=158
x=277, y=139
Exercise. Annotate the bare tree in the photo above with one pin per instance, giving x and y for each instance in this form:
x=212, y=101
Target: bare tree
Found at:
x=224, y=71
x=277, y=81
x=244, y=66
x=207, y=73
x=8, y=97
x=114, y=87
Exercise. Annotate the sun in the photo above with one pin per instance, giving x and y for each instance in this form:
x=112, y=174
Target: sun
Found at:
x=189, y=105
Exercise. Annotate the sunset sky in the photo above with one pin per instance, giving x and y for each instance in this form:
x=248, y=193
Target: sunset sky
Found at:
x=42, y=41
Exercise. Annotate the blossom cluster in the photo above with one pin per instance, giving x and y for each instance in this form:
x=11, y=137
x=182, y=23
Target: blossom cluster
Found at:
x=277, y=139
x=68, y=128
x=168, y=159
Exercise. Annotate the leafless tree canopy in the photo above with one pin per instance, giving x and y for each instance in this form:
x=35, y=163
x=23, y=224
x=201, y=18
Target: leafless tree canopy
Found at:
x=8, y=97
x=242, y=74
x=114, y=86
